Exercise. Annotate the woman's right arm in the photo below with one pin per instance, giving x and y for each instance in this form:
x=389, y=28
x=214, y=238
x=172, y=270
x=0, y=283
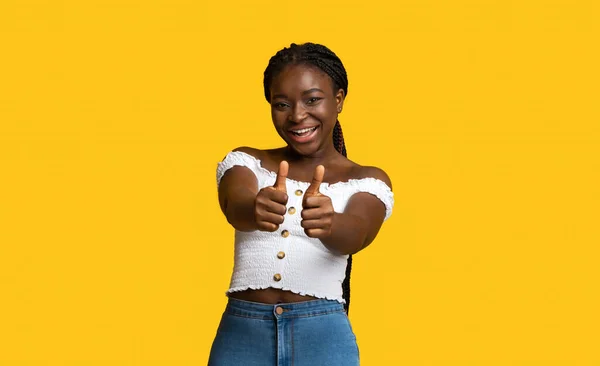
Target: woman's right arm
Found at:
x=237, y=196
x=245, y=206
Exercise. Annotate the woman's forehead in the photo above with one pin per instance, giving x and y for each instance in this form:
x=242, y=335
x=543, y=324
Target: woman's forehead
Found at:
x=299, y=76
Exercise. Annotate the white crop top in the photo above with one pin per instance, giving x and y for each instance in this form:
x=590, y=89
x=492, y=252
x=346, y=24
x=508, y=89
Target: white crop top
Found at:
x=288, y=259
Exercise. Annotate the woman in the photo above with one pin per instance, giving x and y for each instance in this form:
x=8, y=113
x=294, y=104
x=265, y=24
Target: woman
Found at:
x=299, y=213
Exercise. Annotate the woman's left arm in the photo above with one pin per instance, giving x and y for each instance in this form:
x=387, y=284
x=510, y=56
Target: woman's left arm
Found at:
x=348, y=232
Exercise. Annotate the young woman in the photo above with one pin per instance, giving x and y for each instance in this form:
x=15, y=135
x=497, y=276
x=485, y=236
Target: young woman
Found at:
x=299, y=213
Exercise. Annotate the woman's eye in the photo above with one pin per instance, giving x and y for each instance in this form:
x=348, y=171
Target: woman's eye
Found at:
x=280, y=105
x=313, y=100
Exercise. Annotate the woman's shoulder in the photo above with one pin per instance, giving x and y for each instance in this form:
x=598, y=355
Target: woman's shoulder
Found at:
x=364, y=172
x=260, y=154
x=267, y=158
x=373, y=180
x=256, y=153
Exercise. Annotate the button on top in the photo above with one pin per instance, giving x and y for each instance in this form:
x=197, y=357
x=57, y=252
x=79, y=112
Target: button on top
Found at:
x=292, y=210
x=285, y=233
x=279, y=310
x=298, y=192
x=281, y=255
x=277, y=277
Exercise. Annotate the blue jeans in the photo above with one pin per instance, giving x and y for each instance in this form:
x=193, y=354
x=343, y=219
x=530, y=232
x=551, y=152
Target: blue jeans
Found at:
x=309, y=333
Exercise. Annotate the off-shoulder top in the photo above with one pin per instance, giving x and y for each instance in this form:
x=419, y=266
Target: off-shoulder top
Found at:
x=288, y=259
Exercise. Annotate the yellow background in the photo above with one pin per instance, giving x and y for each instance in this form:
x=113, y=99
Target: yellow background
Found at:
x=113, y=115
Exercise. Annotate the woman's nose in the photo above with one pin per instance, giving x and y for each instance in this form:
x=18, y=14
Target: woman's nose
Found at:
x=298, y=114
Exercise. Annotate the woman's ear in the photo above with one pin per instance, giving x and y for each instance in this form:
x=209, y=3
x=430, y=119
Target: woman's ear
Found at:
x=339, y=100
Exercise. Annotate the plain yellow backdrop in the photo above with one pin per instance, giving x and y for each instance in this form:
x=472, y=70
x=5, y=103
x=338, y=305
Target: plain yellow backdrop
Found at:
x=485, y=113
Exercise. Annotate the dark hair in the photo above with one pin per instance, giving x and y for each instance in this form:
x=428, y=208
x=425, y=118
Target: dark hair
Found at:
x=322, y=57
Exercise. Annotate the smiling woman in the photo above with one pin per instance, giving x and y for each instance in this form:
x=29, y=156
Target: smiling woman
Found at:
x=299, y=212
x=299, y=92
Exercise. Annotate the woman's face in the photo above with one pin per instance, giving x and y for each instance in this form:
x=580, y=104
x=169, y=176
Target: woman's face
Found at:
x=304, y=108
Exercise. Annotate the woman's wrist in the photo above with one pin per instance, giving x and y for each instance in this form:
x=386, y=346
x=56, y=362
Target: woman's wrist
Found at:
x=346, y=236
x=240, y=212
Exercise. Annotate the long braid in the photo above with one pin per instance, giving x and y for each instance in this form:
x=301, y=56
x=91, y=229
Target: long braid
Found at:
x=323, y=58
x=338, y=139
x=340, y=146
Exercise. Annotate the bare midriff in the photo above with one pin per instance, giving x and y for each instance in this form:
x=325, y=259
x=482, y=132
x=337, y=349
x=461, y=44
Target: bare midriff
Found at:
x=270, y=296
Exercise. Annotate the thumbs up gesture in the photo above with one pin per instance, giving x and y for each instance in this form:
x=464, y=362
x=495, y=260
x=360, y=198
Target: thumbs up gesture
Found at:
x=317, y=209
x=269, y=206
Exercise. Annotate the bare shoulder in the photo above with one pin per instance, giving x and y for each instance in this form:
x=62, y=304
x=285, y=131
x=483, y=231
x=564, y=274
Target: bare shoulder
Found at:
x=250, y=151
x=373, y=172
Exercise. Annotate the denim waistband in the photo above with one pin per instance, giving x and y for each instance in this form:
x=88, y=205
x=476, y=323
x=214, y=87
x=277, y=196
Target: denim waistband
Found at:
x=302, y=309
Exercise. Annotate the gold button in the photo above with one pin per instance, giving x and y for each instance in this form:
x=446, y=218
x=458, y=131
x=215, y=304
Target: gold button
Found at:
x=281, y=255
x=277, y=277
x=292, y=210
x=279, y=310
x=285, y=233
x=298, y=192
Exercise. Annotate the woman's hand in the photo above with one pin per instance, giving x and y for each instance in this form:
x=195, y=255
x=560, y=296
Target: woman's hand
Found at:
x=269, y=206
x=317, y=209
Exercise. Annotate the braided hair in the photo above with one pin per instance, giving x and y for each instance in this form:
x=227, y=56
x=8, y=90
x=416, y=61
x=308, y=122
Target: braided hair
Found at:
x=327, y=61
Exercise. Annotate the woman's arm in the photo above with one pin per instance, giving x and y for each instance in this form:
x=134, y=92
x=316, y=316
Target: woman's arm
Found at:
x=246, y=207
x=354, y=229
x=237, y=195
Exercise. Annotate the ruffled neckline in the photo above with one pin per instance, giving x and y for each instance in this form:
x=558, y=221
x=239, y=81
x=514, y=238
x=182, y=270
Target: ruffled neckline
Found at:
x=348, y=182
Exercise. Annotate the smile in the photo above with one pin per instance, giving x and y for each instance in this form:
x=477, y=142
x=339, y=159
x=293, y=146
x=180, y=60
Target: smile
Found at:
x=304, y=131
x=303, y=135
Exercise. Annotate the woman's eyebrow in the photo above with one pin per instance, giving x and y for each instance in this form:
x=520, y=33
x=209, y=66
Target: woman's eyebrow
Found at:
x=312, y=90
x=283, y=96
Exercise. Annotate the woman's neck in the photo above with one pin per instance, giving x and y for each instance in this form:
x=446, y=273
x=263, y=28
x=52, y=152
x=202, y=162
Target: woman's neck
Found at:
x=321, y=156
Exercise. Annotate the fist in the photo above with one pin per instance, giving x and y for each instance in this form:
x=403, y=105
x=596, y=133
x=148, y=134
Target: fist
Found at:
x=317, y=209
x=269, y=206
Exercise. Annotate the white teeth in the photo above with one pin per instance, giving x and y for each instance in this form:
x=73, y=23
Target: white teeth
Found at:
x=304, y=130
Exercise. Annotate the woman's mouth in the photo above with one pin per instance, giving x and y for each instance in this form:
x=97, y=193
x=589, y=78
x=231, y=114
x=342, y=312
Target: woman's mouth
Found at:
x=303, y=135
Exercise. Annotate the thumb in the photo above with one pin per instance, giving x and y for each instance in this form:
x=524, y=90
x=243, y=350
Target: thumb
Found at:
x=313, y=189
x=281, y=176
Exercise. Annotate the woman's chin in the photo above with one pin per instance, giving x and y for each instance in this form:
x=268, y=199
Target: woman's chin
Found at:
x=303, y=149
